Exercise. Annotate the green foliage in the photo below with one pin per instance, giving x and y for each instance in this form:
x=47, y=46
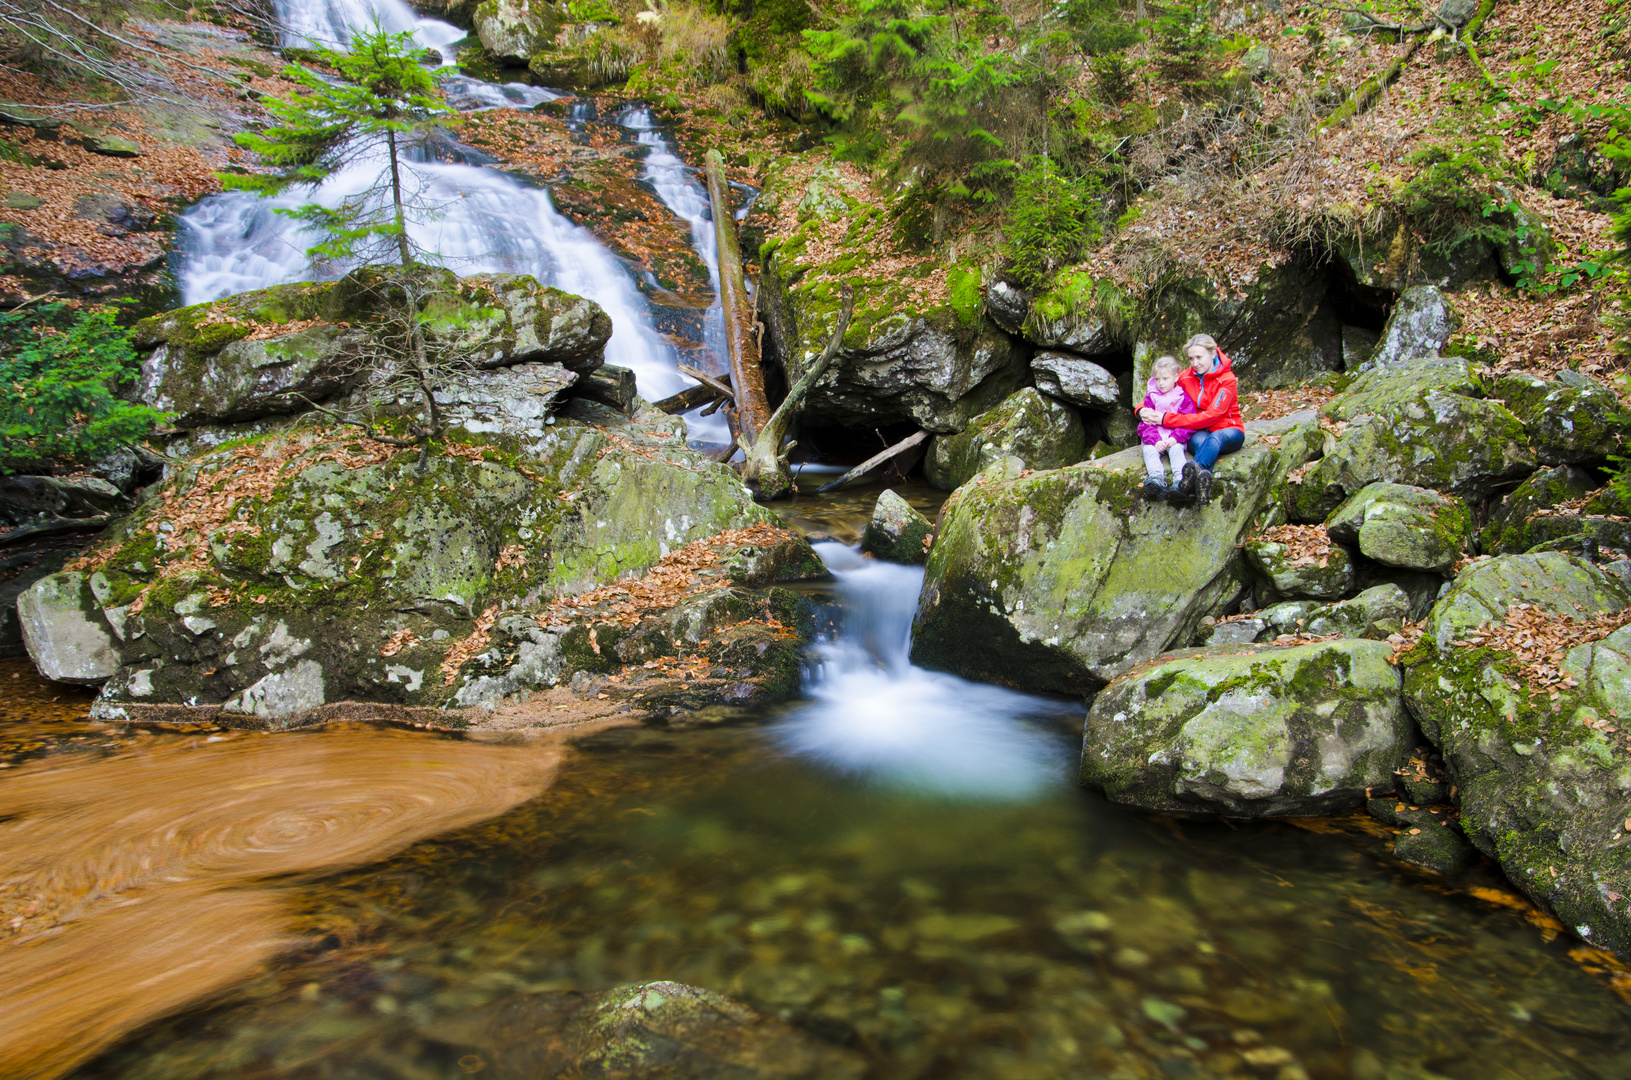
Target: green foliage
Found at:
x=1115, y=77
x=1184, y=40
x=62, y=369
x=382, y=96
x=1052, y=220
x=1457, y=194
x=1099, y=27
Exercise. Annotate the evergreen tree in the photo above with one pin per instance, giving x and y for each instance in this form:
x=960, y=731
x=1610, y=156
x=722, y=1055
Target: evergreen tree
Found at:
x=383, y=100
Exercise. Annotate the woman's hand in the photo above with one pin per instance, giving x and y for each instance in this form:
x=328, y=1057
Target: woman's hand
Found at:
x=1149, y=416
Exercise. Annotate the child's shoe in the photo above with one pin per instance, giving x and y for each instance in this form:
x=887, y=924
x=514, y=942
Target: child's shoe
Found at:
x=1153, y=490
x=1203, y=486
x=1187, y=481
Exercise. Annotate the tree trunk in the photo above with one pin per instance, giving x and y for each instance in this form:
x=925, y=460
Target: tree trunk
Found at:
x=747, y=378
x=764, y=469
x=416, y=336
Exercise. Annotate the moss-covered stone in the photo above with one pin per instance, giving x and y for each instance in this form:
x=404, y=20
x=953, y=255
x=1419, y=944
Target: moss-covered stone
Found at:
x=1409, y=527
x=908, y=355
x=1041, y=431
x=1061, y=580
x=1507, y=530
x=1250, y=731
x=897, y=532
x=1571, y=420
x=1542, y=773
x=1323, y=578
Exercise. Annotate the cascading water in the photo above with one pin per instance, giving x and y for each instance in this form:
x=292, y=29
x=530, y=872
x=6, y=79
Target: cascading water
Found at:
x=875, y=713
x=676, y=185
x=481, y=221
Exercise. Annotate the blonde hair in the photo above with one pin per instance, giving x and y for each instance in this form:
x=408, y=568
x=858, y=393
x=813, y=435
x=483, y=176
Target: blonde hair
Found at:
x=1205, y=341
x=1166, y=363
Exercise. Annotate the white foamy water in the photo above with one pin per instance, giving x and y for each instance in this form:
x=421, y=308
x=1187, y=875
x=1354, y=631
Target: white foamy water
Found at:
x=481, y=220
x=877, y=715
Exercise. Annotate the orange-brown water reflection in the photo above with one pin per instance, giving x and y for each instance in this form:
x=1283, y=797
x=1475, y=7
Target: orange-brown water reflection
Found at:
x=134, y=883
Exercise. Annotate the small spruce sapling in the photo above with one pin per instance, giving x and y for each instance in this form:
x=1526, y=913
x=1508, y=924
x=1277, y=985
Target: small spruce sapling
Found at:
x=382, y=101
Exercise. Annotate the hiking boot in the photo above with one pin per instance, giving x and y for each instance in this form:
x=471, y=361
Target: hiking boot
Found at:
x=1153, y=489
x=1187, y=481
x=1203, y=486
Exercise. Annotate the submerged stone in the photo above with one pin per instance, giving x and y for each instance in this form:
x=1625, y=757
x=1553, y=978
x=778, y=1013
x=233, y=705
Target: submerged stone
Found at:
x=897, y=532
x=1250, y=731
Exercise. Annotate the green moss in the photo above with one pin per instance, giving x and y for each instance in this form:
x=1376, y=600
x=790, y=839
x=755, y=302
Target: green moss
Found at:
x=964, y=287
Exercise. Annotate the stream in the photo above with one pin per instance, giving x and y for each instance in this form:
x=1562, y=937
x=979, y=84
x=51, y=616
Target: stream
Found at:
x=899, y=862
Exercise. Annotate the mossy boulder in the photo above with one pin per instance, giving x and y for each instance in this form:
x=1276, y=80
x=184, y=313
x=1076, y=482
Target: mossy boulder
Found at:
x=1542, y=769
x=270, y=351
x=1420, y=324
x=1417, y=423
x=512, y=31
x=919, y=348
x=1249, y=731
x=1571, y=420
x=1076, y=380
x=1507, y=530
x=1398, y=525
x=897, y=532
x=1040, y=430
x=309, y=566
x=1325, y=577
x=1063, y=579
x=63, y=631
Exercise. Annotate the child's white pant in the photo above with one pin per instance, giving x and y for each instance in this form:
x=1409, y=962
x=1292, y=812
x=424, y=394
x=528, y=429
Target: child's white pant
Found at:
x=1152, y=461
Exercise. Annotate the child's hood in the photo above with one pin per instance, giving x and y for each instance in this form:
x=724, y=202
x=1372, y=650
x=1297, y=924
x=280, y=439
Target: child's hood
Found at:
x=1165, y=397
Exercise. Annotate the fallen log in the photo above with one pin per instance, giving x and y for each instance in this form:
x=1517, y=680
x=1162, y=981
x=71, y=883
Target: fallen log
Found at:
x=764, y=465
x=752, y=410
x=718, y=386
x=873, y=462
x=687, y=399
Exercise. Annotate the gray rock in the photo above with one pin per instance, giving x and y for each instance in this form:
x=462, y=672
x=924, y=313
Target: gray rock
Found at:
x=515, y=30
x=1325, y=578
x=1575, y=422
x=897, y=532
x=1508, y=530
x=1075, y=380
x=113, y=146
x=1358, y=346
x=1541, y=777
x=1420, y=325
x=1457, y=13
x=1236, y=632
x=1398, y=525
x=29, y=569
x=64, y=632
x=1375, y=613
x=1042, y=432
x=610, y=385
x=1007, y=305
x=25, y=497
x=1434, y=844
x=1249, y=731
x=518, y=400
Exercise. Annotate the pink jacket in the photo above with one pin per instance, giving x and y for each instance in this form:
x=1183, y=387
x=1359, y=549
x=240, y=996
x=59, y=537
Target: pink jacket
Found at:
x=1173, y=401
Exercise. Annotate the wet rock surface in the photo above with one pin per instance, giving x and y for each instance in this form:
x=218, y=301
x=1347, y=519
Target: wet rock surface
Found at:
x=897, y=532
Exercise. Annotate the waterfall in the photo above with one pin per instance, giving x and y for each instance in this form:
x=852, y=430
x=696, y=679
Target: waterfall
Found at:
x=483, y=220
x=876, y=714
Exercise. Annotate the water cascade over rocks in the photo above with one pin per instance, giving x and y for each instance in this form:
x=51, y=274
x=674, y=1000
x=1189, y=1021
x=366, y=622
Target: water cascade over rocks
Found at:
x=878, y=715
x=483, y=220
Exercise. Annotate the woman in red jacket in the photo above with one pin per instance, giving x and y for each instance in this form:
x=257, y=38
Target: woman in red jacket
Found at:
x=1216, y=420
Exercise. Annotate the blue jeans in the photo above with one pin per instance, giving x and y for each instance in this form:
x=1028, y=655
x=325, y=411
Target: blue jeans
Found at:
x=1208, y=446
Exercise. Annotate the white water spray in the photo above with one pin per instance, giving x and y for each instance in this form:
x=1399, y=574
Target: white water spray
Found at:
x=875, y=714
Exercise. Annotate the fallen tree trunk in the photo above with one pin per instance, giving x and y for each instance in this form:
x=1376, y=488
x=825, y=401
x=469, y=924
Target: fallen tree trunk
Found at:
x=764, y=468
x=687, y=399
x=752, y=411
x=875, y=461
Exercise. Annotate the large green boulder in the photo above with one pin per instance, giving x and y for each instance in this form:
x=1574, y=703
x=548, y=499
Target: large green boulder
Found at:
x=919, y=347
x=272, y=576
x=1250, y=731
x=1571, y=420
x=1528, y=712
x=1507, y=530
x=1040, y=430
x=1398, y=525
x=513, y=30
x=274, y=350
x=1288, y=572
x=1063, y=579
x=1415, y=423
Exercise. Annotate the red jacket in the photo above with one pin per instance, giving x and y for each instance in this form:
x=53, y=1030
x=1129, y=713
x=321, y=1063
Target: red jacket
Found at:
x=1216, y=398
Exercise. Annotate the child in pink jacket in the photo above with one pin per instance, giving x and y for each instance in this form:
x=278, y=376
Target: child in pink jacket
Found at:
x=1165, y=396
